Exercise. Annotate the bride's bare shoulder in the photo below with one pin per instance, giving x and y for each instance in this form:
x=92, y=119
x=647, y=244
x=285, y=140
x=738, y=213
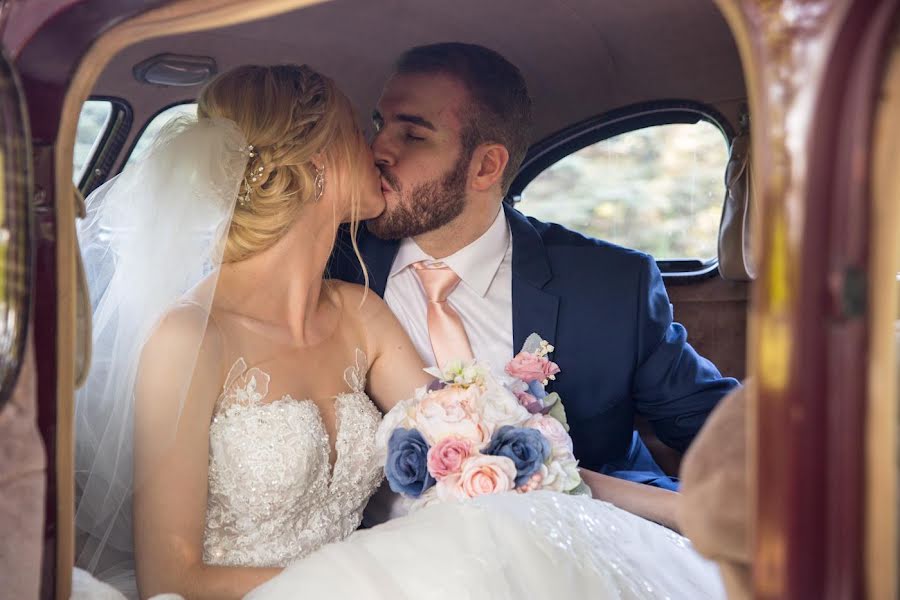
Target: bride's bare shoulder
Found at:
x=185, y=331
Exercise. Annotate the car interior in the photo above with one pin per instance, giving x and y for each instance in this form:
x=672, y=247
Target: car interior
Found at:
x=616, y=86
x=641, y=138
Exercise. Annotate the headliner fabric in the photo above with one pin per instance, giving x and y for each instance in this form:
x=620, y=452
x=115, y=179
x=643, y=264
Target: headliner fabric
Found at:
x=580, y=58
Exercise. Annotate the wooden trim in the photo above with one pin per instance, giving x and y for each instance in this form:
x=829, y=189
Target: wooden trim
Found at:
x=811, y=70
x=844, y=189
x=882, y=437
x=784, y=53
x=175, y=18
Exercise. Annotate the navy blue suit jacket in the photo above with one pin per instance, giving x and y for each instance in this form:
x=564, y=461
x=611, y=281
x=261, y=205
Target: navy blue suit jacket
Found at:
x=606, y=311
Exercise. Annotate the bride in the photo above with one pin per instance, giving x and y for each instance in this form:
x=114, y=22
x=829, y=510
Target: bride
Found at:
x=227, y=427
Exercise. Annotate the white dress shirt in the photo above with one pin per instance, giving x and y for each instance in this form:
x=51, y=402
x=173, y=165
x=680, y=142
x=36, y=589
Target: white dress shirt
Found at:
x=483, y=298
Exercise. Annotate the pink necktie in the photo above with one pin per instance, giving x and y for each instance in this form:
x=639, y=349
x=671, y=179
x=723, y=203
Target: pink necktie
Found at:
x=448, y=336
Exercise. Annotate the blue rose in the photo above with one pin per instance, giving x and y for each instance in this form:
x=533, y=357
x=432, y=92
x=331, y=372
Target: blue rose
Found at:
x=407, y=463
x=536, y=389
x=526, y=447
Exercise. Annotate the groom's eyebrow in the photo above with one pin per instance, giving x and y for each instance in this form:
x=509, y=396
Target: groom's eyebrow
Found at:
x=416, y=120
x=378, y=119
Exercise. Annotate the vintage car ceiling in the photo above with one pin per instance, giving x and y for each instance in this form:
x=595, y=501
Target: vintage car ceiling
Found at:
x=580, y=57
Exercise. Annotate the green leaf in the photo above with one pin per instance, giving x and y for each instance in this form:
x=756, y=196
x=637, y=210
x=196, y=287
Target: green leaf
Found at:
x=550, y=399
x=581, y=490
x=559, y=413
x=532, y=343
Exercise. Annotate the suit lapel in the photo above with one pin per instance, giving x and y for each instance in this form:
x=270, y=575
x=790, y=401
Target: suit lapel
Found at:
x=534, y=310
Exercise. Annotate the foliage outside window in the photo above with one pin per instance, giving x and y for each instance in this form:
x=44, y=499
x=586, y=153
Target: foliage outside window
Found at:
x=658, y=189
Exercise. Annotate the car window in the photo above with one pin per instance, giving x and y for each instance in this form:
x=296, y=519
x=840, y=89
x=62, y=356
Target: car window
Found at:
x=659, y=190
x=92, y=123
x=149, y=134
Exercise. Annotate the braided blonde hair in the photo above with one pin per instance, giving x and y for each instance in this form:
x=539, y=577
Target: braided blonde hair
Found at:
x=289, y=114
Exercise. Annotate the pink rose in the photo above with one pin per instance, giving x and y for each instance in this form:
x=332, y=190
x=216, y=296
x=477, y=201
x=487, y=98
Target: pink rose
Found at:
x=530, y=367
x=484, y=474
x=447, y=456
x=556, y=434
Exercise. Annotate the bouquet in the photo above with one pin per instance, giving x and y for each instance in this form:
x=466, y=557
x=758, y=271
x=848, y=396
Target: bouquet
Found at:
x=470, y=433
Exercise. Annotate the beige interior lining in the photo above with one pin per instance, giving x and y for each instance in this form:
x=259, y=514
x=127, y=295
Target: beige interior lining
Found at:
x=580, y=58
x=882, y=426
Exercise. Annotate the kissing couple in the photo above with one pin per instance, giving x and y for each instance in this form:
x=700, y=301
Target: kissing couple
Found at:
x=267, y=286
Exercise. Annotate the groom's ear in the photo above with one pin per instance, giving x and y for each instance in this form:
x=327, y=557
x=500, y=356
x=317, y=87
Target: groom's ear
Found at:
x=488, y=164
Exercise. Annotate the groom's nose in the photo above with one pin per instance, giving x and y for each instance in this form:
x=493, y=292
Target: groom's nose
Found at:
x=382, y=151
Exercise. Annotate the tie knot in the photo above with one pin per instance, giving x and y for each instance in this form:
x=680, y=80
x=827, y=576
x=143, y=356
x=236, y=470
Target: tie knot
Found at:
x=438, y=279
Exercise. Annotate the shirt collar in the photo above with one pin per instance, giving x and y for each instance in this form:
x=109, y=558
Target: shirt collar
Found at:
x=476, y=264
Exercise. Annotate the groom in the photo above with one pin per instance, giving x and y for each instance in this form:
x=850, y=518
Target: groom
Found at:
x=469, y=275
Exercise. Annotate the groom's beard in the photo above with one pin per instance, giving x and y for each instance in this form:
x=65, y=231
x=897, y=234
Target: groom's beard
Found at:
x=426, y=207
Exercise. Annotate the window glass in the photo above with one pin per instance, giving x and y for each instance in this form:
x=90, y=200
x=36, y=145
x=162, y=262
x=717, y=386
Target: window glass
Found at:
x=659, y=190
x=92, y=123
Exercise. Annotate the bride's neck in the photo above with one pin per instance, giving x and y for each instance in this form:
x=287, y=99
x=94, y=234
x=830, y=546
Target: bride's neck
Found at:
x=283, y=284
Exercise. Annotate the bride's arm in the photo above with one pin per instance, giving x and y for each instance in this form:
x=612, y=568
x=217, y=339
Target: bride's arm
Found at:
x=395, y=367
x=652, y=503
x=171, y=459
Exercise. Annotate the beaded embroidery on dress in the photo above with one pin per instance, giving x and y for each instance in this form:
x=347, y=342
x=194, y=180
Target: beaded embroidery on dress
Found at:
x=273, y=495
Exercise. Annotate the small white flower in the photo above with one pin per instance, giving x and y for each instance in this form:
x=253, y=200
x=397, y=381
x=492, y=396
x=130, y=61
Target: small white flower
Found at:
x=457, y=372
x=544, y=349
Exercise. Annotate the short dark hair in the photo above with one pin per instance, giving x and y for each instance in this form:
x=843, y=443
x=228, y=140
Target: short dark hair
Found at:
x=501, y=107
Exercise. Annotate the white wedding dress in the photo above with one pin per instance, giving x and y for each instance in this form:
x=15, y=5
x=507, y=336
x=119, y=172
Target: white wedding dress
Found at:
x=156, y=232
x=274, y=500
x=505, y=546
x=273, y=495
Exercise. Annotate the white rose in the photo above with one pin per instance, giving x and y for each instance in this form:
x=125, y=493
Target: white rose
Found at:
x=553, y=430
x=500, y=407
x=552, y=476
x=561, y=475
x=448, y=489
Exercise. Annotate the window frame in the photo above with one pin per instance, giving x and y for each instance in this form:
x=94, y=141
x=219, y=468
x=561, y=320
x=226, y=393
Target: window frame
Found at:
x=126, y=156
x=547, y=152
x=108, y=145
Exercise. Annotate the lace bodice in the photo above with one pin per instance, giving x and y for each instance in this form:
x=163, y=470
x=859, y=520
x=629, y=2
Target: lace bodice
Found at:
x=273, y=495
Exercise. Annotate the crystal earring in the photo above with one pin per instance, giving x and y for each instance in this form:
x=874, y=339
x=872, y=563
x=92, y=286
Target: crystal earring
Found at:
x=320, y=182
